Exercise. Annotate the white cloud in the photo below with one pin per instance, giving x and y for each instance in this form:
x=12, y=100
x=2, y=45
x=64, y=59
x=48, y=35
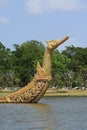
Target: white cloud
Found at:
x=4, y=3
x=4, y=20
x=47, y=6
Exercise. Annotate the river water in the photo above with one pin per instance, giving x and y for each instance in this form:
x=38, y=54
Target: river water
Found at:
x=51, y=113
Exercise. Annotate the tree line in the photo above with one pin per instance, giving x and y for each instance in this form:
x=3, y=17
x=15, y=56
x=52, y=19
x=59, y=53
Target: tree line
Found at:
x=18, y=66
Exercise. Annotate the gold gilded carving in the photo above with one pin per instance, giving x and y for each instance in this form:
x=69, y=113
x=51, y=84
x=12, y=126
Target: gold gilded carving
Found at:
x=36, y=89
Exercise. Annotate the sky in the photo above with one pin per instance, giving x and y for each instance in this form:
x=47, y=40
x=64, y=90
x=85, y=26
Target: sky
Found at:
x=41, y=20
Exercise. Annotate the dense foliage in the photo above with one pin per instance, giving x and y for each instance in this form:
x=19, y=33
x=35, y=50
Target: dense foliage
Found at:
x=17, y=68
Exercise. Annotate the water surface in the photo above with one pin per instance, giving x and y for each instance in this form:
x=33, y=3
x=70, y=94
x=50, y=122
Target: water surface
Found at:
x=51, y=113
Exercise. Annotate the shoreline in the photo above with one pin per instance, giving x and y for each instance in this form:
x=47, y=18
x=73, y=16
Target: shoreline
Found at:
x=58, y=93
x=66, y=93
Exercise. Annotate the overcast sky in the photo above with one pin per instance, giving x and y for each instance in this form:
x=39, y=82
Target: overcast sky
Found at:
x=25, y=20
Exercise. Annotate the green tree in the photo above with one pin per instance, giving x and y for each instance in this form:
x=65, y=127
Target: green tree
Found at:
x=84, y=75
x=68, y=77
x=25, y=58
x=78, y=56
x=59, y=67
x=5, y=66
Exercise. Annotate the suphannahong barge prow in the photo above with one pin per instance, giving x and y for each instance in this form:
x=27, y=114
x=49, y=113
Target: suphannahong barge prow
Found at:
x=36, y=89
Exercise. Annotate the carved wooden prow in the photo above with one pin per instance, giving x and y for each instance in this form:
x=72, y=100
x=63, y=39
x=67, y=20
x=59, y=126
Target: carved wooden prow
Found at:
x=36, y=89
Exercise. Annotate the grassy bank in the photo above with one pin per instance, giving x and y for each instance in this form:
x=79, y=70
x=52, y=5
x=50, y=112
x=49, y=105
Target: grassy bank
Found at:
x=66, y=93
x=3, y=94
x=51, y=92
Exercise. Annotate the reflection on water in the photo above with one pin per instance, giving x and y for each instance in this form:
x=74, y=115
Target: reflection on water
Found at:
x=25, y=117
x=41, y=119
x=69, y=113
